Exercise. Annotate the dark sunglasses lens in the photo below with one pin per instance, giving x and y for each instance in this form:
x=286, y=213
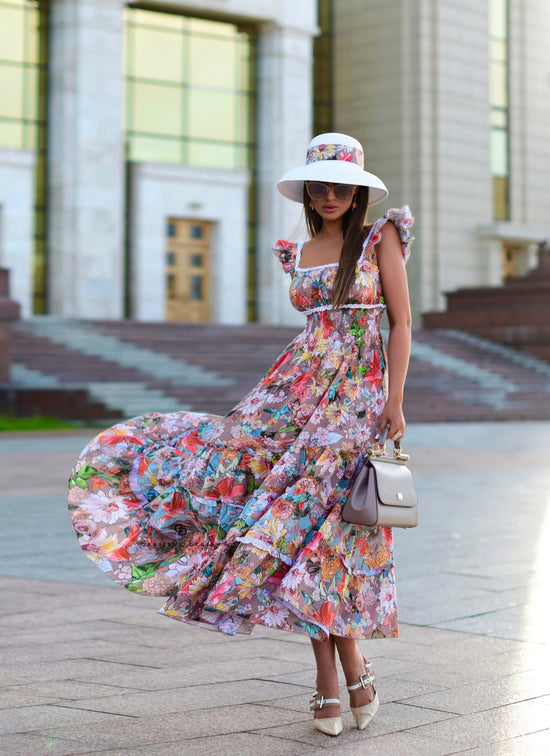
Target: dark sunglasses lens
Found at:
x=343, y=192
x=317, y=191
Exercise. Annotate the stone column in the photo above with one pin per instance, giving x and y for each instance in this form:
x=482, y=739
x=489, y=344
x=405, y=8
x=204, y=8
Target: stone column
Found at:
x=86, y=159
x=9, y=311
x=16, y=222
x=284, y=130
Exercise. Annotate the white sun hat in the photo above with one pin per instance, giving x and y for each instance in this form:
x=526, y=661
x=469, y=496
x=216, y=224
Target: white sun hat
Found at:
x=336, y=159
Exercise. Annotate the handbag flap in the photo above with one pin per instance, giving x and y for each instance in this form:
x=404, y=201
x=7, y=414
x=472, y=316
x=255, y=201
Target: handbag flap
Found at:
x=394, y=482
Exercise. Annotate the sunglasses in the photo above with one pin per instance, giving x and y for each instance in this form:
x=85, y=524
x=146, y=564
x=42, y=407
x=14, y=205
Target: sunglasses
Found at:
x=318, y=191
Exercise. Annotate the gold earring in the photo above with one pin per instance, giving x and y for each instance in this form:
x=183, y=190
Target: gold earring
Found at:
x=354, y=205
x=311, y=204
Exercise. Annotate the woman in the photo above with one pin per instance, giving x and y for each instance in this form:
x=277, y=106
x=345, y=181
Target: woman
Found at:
x=237, y=519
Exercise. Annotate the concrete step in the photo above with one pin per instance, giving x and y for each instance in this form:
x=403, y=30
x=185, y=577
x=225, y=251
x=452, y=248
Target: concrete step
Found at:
x=208, y=367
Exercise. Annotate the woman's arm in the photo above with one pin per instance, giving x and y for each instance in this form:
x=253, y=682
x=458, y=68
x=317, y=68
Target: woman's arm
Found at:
x=396, y=293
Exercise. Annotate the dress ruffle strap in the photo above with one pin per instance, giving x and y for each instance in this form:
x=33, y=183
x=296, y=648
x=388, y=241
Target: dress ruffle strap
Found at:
x=402, y=219
x=286, y=252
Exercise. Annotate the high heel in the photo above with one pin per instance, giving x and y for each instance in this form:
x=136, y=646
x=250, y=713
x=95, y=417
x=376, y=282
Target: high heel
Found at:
x=329, y=725
x=364, y=714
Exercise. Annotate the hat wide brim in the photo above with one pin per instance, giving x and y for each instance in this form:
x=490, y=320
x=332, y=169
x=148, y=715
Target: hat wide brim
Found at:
x=291, y=185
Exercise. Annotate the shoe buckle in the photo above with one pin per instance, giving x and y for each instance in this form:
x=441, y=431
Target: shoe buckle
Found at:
x=316, y=703
x=366, y=679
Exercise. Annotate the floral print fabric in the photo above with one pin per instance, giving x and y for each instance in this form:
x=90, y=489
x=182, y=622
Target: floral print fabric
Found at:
x=236, y=519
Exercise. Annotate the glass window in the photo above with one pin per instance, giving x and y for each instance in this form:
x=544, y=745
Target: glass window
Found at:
x=214, y=155
x=158, y=55
x=211, y=115
x=11, y=134
x=221, y=54
x=23, y=109
x=154, y=149
x=154, y=19
x=499, y=153
x=189, y=94
x=12, y=33
x=499, y=86
x=191, y=98
x=498, y=11
x=196, y=232
x=196, y=261
x=196, y=288
x=11, y=92
x=498, y=97
x=157, y=102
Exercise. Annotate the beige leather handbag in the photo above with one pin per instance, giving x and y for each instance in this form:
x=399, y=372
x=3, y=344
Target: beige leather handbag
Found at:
x=383, y=493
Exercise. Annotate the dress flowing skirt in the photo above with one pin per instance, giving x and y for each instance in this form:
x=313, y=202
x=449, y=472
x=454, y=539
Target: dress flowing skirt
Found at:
x=236, y=519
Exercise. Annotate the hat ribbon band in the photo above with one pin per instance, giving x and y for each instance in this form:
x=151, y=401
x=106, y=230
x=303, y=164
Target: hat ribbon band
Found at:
x=335, y=152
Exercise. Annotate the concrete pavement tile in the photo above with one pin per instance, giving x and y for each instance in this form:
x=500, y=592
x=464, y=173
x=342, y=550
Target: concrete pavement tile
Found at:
x=391, y=689
x=271, y=634
x=242, y=743
x=488, y=727
x=21, y=696
x=423, y=635
x=406, y=691
x=59, y=691
x=212, y=672
x=390, y=718
x=36, y=718
x=188, y=699
x=148, y=730
x=534, y=744
x=477, y=697
x=29, y=744
x=93, y=648
x=520, y=623
x=393, y=744
x=82, y=631
x=460, y=647
x=187, y=653
x=525, y=632
x=298, y=703
x=60, y=617
x=78, y=669
x=304, y=678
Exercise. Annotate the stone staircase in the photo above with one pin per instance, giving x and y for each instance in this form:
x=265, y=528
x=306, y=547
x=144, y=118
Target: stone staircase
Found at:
x=125, y=368
x=516, y=314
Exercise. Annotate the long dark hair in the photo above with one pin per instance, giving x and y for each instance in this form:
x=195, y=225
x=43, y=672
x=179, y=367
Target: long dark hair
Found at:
x=353, y=226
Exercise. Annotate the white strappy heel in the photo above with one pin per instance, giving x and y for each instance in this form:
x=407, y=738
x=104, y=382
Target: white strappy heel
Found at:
x=364, y=714
x=328, y=725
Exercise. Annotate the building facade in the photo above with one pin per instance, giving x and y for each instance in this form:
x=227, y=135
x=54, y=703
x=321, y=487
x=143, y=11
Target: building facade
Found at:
x=140, y=144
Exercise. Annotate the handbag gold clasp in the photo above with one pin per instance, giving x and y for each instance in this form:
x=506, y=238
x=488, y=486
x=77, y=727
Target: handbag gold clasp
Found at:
x=398, y=454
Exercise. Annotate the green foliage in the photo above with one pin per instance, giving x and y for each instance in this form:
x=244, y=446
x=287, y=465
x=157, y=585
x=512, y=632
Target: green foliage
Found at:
x=9, y=423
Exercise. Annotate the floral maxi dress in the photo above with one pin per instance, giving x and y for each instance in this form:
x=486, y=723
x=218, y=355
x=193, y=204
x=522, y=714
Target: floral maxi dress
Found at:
x=236, y=519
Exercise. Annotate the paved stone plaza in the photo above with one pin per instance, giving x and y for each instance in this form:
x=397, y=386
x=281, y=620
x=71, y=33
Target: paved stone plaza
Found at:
x=88, y=668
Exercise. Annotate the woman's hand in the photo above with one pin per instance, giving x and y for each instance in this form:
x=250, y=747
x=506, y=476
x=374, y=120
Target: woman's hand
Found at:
x=392, y=418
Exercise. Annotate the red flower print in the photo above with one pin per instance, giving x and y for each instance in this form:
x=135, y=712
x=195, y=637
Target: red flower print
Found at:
x=283, y=358
x=121, y=554
x=374, y=375
x=300, y=385
x=226, y=489
x=116, y=436
x=326, y=614
x=327, y=323
x=192, y=442
x=176, y=505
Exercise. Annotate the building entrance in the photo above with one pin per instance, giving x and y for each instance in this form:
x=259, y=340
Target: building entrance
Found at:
x=188, y=269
